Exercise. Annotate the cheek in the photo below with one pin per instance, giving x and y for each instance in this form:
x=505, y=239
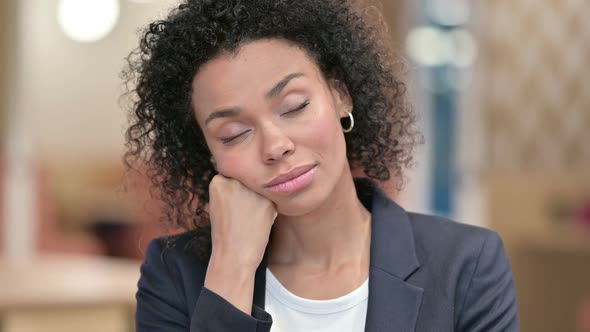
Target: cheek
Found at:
x=238, y=166
x=324, y=135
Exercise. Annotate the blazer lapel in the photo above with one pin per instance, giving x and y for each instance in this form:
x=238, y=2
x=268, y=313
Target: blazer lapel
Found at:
x=393, y=302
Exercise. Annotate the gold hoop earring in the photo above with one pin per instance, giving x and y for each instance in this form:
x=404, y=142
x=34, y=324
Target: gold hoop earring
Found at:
x=349, y=129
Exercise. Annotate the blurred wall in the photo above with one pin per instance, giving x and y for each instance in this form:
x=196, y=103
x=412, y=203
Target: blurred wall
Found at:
x=414, y=195
x=534, y=68
x=395, y=13
x=10, y=186
x=68, y=91
x=63, y=123
x=7, y=39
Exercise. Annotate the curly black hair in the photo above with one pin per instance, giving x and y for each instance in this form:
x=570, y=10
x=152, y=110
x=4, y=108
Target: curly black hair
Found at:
x=164, y=135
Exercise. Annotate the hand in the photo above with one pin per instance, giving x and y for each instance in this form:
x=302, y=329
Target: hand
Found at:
x=241, y=221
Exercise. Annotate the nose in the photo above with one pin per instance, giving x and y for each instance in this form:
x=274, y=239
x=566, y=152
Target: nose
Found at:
x=276, y=144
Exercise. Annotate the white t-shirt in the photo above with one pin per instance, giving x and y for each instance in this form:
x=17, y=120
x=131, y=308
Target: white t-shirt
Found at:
x=291, y=313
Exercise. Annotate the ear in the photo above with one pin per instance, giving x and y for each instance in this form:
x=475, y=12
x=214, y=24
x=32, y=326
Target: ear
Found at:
x=341, y=96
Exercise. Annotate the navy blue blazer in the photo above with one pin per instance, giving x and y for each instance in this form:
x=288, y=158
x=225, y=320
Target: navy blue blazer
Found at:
x=426, y=274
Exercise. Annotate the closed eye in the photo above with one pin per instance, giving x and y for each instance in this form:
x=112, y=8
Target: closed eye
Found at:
x=289, y=113
x=299, y=108
x=230, y=139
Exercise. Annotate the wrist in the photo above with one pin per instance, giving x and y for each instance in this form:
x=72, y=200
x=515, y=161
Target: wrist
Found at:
x=233, y=263
x=227, y=277
x=233, y=283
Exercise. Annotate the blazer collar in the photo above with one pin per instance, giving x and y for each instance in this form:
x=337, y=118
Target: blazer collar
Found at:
x=393, y=302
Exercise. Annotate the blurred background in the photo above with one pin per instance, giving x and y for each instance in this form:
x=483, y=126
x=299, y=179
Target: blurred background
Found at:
x=500, y=88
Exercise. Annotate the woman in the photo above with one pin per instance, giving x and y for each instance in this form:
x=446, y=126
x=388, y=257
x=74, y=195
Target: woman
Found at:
x=252, y=117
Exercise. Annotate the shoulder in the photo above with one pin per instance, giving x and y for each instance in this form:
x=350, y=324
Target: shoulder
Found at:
x=174, y=248
x=452, y=251
x=470, y=265
x=444, y=235
x=456, y=248
x=172, y=271
x=175, y=256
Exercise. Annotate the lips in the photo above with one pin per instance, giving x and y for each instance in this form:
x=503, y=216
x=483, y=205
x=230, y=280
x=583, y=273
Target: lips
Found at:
x=290, y=175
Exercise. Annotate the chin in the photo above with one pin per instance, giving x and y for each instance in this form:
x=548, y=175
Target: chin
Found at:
x=293, y=210
x=301, y=204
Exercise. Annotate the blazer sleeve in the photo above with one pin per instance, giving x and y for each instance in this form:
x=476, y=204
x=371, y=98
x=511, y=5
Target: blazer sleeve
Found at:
x=160, y=306
x=490, y=301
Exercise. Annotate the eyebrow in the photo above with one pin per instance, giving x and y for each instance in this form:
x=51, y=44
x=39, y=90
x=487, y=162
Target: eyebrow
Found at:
x=281, y=85
x=224, y=113
x=235, y=111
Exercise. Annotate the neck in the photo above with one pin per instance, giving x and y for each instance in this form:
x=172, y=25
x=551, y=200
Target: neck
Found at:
x=336, y=233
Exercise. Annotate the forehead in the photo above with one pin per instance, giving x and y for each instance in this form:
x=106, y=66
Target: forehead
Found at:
x=230, y=79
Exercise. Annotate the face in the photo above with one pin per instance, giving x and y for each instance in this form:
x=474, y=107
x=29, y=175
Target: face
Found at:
x=268, y=110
